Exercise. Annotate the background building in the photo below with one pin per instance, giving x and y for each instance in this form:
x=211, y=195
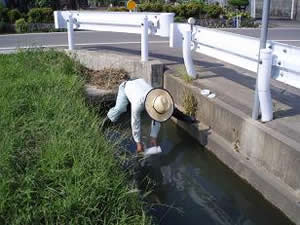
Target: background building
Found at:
x=289, y=9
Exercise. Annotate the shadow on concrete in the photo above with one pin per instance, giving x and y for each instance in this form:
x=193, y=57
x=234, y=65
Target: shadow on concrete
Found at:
x=167, y=59
x=279, y=90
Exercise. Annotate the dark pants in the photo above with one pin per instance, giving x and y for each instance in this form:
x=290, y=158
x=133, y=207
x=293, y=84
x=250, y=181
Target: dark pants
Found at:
x=181, y=116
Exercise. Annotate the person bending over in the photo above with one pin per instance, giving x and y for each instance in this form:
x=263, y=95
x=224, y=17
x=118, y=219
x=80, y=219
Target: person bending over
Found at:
x=157, y=102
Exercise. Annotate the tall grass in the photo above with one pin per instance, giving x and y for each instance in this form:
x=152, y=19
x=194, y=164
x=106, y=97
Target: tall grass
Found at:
x=55, y=166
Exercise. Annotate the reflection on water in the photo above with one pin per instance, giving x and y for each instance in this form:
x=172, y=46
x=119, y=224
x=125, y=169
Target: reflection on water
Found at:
x=194, y=188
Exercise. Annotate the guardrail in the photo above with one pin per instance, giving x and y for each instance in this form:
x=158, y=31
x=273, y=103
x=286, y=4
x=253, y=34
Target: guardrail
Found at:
x=133, y=22
x=241, y=51
x=279, y=61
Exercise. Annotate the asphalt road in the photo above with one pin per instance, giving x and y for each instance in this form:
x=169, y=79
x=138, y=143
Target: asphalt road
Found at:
x=289, y=36
x=129, y=43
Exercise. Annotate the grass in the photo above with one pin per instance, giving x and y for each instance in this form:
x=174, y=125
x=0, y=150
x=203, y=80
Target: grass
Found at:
x=55, y=166
x=189, y=103
x=184, y=75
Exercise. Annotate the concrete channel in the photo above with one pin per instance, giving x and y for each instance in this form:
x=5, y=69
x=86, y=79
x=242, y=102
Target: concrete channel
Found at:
x=266, y=156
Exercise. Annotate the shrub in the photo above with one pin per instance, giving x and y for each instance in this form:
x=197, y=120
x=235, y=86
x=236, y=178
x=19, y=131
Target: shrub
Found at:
x=150, y=7
x=2, y=26
x=197, y=1
x=47, y=14
x=181, y=10
x=213, y=11
x=169, y=8
x=13, y=15
x=118, y=9
x=45, y=3
x=21, y=26
x=40, y=15
x=194, y=9
x=184, y=10
x=3, y=14
x=238, y=3
x=231, y=14
x=179, y=19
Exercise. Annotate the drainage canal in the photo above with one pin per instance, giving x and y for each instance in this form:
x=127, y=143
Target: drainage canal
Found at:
x=193, y=187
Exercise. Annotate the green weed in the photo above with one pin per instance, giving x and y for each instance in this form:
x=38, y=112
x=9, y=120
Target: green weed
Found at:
x=184, y=75
x=55, y=166
x=189, y=103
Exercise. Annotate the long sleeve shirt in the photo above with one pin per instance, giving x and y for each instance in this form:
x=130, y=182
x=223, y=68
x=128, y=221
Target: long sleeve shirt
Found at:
x=136, y=92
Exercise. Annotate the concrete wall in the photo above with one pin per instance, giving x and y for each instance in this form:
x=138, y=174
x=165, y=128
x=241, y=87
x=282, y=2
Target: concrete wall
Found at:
x=269, y=162
x=151, y=71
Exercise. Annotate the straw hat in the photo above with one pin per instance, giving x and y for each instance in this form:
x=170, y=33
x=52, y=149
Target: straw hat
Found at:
x=159, y=104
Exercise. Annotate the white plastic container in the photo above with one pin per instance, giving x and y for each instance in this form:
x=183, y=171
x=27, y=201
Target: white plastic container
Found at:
x=152, y=151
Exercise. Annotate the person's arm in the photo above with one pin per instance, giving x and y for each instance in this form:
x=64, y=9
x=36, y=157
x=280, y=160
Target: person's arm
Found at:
x=136, y=126
x=155, y=127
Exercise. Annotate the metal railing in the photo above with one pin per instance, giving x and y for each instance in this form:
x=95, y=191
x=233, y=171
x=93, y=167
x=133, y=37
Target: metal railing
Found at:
x=124, y=22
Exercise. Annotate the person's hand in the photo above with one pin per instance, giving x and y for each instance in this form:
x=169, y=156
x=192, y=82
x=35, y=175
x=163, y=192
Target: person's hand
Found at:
x=153, y=141
x=139, y=147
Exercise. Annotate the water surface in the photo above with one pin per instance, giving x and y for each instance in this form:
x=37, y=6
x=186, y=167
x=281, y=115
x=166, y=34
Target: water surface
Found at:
x=194, y=188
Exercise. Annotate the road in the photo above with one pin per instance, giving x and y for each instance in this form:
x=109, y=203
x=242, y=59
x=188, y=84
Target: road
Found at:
x=130, y=43
x=290, y=36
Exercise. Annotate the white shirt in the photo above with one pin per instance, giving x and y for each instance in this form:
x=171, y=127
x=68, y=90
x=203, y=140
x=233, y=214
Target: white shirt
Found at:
x=136, y=92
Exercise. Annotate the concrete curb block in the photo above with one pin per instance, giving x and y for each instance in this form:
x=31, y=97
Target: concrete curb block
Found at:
x=262, y=158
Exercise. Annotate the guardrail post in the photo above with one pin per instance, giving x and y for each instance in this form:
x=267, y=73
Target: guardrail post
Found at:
x=263, y=43
x=187, y=54
x=263, y=85
x=70, y=32
x=144, y=40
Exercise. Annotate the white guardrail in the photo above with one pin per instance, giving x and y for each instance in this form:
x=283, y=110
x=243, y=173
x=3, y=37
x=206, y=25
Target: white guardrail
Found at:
x=240, y=50
x=125, y=22
x=278, y=61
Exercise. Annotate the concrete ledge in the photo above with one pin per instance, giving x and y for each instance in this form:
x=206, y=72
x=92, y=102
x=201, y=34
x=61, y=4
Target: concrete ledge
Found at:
x=97, y=97
x=151, y=71
x=265, y=158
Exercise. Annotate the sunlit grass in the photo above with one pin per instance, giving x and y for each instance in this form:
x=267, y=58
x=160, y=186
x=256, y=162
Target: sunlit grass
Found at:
x=55, y=166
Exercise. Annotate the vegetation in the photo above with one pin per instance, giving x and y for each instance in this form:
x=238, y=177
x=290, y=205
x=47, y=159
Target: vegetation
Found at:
x=56, y=168
x=183, y=74
x=3, y=14
x=40, y=15
x=119, y=9
x=239, y=3
x=184, y=10
x=21, y=26
x=13, y=15
x=189, y=103
x=211, y=15
x=37, y=19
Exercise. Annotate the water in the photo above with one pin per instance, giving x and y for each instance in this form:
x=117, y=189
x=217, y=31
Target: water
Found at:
x=195, y=188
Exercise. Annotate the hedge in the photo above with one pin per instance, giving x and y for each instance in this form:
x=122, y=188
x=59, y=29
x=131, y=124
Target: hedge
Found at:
x=184, y=10
x=13, y=15
x=40, y=15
